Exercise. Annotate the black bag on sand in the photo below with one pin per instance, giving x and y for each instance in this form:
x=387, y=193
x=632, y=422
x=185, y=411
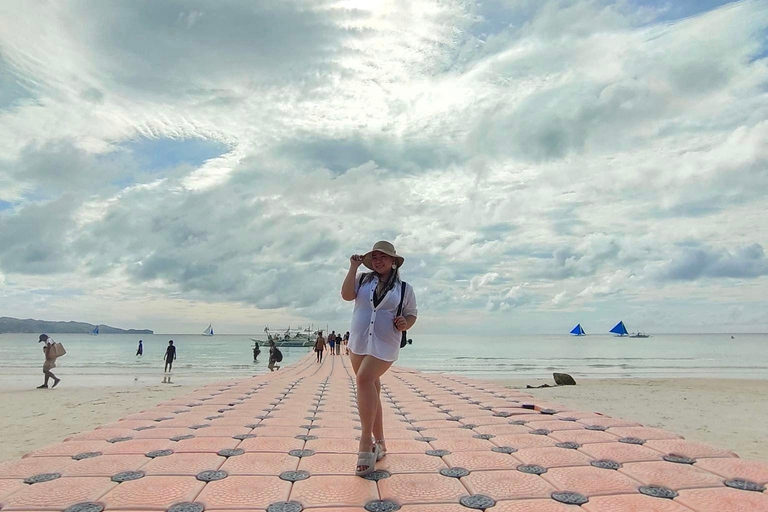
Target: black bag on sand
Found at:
x=404, y=340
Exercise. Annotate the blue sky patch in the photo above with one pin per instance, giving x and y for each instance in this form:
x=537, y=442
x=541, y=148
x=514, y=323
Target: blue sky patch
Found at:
x=158, y=154
x=5, y=205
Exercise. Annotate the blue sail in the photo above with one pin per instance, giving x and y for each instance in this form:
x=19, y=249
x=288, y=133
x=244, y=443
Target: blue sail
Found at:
x=578, y=331
x=619, y=329
x=95, y=330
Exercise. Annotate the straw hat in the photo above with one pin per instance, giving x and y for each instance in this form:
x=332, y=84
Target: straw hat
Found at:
x=385, y=247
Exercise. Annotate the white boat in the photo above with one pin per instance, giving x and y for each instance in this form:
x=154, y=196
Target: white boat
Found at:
x=209, y=330
x=290, y=338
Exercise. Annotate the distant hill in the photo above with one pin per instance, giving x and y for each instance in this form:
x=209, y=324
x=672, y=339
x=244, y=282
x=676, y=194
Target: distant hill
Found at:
x=8, y=324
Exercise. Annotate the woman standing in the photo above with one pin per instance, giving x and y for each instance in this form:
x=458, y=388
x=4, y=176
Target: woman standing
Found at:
x=374, y=341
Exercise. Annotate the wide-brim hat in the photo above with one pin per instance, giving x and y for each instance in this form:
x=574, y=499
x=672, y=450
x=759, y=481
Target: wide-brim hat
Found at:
x=385, y=247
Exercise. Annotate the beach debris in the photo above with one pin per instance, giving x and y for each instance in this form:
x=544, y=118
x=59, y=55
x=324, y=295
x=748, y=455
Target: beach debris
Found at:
x=563, y=379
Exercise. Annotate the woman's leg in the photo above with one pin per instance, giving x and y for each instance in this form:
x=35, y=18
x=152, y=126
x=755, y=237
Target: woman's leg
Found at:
x=368, y=369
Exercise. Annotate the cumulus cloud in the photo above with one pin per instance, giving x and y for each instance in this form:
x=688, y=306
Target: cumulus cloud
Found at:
x=522, y=155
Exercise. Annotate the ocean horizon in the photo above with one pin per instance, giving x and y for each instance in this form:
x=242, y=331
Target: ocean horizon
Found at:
x=109, y=359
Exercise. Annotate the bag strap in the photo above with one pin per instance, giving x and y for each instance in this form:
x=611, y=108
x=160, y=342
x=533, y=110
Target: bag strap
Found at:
x=360, y=281
x=402, y=296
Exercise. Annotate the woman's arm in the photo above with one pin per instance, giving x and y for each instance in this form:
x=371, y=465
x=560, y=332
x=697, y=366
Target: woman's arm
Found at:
x=348, y=287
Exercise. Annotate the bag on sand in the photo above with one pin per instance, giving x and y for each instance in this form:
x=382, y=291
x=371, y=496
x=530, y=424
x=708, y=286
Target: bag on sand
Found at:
x=278, y=356
x=57, y=349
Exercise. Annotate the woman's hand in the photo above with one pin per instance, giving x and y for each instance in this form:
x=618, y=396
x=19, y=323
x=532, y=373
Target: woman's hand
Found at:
x=400, y=323
x=355, y=261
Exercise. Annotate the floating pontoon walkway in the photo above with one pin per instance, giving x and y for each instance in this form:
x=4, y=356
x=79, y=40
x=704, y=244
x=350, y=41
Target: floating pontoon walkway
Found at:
x=286, y=441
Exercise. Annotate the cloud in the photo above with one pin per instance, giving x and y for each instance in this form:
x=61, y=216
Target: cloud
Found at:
x=230, y=156
x=744, y=262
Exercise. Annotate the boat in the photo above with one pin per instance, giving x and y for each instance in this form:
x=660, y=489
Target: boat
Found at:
x=639, y=334
x=95, y=331
x=578, y=331
x=289, y=338
x=209, y=330
x=619, y=329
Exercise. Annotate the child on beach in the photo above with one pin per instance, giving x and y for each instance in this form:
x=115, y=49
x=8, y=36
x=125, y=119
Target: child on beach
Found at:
x=170, y=356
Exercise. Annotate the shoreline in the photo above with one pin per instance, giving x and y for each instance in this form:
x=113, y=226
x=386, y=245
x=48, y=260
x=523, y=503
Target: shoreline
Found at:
x=729, y=413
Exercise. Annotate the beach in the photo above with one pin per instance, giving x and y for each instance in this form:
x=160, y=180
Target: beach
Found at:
x=34, y=418
x=729, y=413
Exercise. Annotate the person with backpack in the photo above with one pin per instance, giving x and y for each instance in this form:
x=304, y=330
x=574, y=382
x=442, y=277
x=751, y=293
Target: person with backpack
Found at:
x=50, y=361
x=385, y=307
x=275, y=356
x=319, y=346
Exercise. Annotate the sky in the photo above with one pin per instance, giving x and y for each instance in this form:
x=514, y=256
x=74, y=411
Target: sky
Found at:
x=538, y=164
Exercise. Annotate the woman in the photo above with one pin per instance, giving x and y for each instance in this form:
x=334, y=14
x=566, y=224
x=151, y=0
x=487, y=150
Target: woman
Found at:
x=374, y=339
x=275, y=356
x=319, y=346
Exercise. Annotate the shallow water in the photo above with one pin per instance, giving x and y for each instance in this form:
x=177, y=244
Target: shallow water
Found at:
x=109, y=359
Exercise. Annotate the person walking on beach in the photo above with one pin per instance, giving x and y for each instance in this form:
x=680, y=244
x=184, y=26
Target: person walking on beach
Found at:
x=345, y=342
x=256, y=351
x=275, y=356
x=319, y=346
x=332, y=342
x=50, y=361
x=374, y=340
x=170, y=356
x=140, y=350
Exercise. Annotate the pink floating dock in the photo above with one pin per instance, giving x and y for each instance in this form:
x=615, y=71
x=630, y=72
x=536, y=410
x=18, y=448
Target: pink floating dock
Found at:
x=286, y=442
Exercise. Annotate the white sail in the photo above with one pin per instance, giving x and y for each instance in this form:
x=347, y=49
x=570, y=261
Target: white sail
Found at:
x=209, y=330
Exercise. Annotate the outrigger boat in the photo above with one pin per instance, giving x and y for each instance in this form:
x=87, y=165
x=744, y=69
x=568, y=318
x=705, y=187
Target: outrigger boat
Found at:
x=290, y=338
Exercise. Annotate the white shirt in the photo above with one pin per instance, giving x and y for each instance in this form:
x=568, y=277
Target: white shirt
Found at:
x=373, y=330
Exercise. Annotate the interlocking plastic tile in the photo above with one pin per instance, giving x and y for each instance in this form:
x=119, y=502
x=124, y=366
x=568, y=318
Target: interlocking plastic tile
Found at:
x=8, y=487
x=205, y=444
x=138, y=446
x=479, y=460
x=673, y=476
x=335, y=433
x=153, y=492
x=102, y=434
x=532, y=506
x=334, y=491
x=274, y=444
x=643, y=432
x=521, y=441
x=442, y=507
x=410, y=463
x=505, y=429
x=605, y=421
x=632, y=503
x=421, y=488
x=58, y=494
x=621, y=452
x=555, y=425
x=723, y=500
x=33, y=466
x=334, y=445
x=329, y=464
x=688, y=448
x=507, y=484
x=105, y=465
x=583, y=436
x=189, y=464
x=405, y=446
x=239, y=492
x=752, y=470
x=461, y=445
x=590, y=481
x=551, y=457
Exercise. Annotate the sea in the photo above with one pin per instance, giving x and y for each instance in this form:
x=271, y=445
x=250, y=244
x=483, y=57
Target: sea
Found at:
x=110, y=360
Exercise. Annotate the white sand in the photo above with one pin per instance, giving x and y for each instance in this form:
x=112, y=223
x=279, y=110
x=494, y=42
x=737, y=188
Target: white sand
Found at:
x=729, y=413
x=37, y=417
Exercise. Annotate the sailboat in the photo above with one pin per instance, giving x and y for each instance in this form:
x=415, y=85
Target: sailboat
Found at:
x=209, y=330
x=95, y=331
x=578, y=331
x=619, y=329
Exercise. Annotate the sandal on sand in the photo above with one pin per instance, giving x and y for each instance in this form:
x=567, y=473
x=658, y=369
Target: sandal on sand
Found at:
x=366, y=462
x=380, y=452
